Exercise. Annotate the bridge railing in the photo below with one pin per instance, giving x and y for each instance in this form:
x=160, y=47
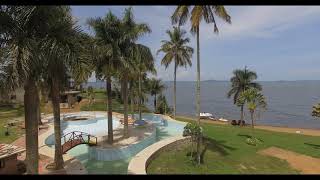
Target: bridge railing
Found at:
x=81, y=137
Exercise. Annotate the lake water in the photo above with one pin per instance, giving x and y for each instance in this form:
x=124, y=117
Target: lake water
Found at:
x=289, y=102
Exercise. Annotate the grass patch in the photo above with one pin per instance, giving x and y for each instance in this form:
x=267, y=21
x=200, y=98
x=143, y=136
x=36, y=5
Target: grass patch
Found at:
x=7, y=114
x=229, y=153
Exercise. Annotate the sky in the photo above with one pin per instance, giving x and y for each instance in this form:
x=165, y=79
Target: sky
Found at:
x=278, y=42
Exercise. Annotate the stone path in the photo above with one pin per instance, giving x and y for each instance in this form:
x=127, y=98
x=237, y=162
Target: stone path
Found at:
x=305, y=164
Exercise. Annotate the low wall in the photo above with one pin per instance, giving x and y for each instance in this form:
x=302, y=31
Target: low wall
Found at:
x=140, y=162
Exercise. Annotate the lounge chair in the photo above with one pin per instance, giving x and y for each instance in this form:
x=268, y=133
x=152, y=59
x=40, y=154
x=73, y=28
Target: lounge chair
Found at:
x=130, y=121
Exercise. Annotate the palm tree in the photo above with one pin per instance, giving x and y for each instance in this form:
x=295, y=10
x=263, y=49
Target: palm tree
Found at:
x=198, y=13
x=145, y=63
x=155, y=87
x=254, y=100
x=108, y=58
x=176, y=51
x=61, y=53
x=23, y=32
x=316, y=110
x=241, y=81
x=131, y=33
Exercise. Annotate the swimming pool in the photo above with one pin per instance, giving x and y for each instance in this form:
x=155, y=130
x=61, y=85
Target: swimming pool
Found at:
x=96, y=127
x=165, y=128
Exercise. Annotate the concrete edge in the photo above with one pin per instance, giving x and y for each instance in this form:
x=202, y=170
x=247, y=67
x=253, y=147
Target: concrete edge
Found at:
x=140, y=161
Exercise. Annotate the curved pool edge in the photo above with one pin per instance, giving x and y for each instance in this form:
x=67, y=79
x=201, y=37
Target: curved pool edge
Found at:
x=140, y=161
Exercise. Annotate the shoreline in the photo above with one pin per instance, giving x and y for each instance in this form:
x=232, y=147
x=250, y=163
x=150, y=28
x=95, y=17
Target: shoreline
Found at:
x=292, y=130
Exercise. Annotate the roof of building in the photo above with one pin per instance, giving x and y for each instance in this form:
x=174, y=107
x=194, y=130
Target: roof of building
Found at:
x=7, y=150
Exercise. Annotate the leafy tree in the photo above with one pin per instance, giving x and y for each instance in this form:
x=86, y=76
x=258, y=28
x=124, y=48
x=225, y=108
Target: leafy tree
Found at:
x=156, y=87
x=254, y=100
x=177, y=52
x=198, y=14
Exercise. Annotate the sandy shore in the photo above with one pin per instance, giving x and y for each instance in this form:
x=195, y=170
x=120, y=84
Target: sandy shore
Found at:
x=310, y=132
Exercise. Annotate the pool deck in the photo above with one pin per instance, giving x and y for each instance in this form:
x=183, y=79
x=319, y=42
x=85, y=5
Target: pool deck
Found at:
x=136, y=134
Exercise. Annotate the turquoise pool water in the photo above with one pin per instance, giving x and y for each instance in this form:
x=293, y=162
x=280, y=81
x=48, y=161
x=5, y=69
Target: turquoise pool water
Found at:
x=96, y=127
x=165, y=129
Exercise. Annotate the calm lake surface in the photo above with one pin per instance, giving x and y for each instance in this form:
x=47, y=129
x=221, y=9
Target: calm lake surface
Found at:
x=289, y=102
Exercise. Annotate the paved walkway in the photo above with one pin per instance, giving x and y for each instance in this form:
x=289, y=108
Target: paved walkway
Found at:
x=303, y=163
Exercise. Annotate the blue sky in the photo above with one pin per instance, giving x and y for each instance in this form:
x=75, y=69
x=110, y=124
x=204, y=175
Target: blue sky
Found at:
x=278, y=42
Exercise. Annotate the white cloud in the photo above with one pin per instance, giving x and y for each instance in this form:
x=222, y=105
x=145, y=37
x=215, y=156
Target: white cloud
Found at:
x=261, y=21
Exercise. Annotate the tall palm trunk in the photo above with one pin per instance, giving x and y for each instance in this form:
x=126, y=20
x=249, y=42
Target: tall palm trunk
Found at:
x=139, y=106
x=131, y=100
x=109, y=104
x=39, y=115
x=31, y=125
x=125, y=104
x=242, y=115
x=155, y=102
x=132, y=108
x=55, y=90
x=175, y=90
x=252, y=119
x=39, y=112
x=198, y=94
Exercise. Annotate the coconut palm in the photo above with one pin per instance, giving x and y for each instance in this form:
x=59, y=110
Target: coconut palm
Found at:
x=145, y=63
x=241, y=81
x=156, y=87
x=61, y=49
x=254, y=100
x=131, y=32
x=23, y=33
x=316, y=110
x=176, y=52
x=108, y=58
x=199, y=13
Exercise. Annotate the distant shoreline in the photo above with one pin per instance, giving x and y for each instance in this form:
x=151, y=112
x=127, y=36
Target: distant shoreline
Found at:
x=303, y=131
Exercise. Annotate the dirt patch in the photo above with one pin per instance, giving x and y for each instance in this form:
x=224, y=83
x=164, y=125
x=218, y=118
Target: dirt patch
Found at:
x=305, y=164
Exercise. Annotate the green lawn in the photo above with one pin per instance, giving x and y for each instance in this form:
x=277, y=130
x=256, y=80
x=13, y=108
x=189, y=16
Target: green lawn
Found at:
x=8, y=114
x=228, y=152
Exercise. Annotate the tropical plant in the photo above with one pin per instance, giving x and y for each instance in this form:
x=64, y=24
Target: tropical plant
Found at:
x=145, y=64
x=316, y=110
x=199, y=13
x=156, y=87
x=241, y=81
x=131, y=32
x=254, y=100
x=90, y=95
x=194, y=131
x=108, y=58
x=22, y=35
x=162, y=106
x=177, y=51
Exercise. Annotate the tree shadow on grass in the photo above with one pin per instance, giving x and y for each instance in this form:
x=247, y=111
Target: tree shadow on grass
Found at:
x=249, y=136
x=315, y=146
x=214, y=145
